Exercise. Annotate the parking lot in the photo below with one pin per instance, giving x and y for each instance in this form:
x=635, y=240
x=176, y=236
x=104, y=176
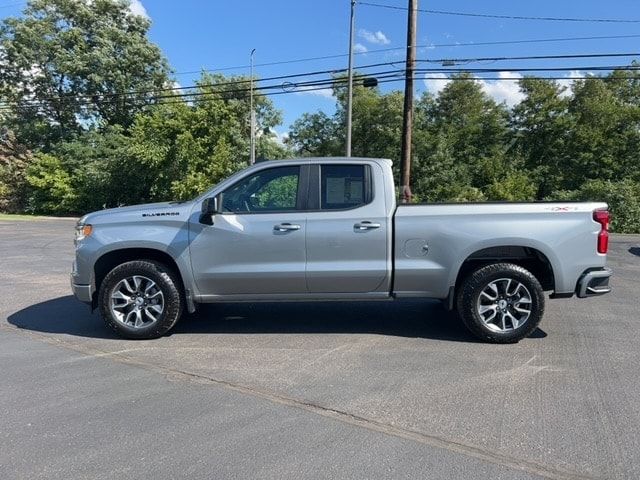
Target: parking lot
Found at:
x=310, y=390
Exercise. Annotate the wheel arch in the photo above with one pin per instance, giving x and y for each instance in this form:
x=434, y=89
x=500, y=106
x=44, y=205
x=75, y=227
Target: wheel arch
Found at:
x=528, y=257
x=111, y=259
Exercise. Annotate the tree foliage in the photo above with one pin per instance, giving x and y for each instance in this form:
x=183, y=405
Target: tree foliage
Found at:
x=557, y=143
x=88, y=121
x=64, y=61
x=622, y=196
x=461, y=150
x=51, y=191
x=14, y=159
x=191, y=147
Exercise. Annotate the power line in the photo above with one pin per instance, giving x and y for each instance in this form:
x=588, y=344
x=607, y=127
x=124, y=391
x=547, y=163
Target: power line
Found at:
x=532, y=57
x=401, y=79
x=368, y=66
x=427, y=46
x=100, y=96
x=219, y=84
x=211, y=96
x=299, y=86
x=112, y=98
x=505, y=17
x=538, y=69
x=311, y=85
x=315, y=85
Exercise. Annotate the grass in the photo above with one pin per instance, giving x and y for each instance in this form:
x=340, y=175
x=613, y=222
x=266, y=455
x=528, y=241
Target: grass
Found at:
x=12, y=217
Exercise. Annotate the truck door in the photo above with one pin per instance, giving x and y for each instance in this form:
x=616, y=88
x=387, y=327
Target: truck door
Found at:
x=347, y=230
x=257, y=245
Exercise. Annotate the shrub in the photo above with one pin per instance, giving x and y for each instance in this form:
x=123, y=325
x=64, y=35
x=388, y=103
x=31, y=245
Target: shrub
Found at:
x=49, y=186
x=514, y=187
x=623, y=198
x=14, y=159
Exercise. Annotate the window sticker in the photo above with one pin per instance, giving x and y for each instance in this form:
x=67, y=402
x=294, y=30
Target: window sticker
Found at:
x=335, y=190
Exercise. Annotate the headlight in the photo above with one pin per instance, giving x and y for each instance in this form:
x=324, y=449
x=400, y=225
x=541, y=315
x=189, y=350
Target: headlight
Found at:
x=83, y=230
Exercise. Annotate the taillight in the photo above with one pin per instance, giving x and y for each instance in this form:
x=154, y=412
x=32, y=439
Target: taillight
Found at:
x=602, y=217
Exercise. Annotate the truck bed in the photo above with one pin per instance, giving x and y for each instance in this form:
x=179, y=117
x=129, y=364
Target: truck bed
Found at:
x=431, y=241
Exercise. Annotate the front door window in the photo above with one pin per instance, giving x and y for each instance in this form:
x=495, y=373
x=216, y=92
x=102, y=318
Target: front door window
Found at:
x=268, y=191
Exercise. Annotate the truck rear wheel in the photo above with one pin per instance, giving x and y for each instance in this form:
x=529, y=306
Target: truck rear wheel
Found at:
x=140, y=299
x=501, y=303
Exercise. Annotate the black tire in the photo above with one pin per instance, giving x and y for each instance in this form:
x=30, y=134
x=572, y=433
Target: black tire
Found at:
x=468, y=303
x=166, y=281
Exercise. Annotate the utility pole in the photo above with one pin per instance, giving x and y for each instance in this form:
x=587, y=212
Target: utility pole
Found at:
x=407, y=118
x=350, y=79
x=252, y=116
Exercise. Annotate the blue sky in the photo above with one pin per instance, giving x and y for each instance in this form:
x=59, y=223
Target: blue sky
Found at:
x=196, y=34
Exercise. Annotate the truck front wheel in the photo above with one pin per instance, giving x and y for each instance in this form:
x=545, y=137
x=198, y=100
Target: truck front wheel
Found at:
x=140, y=299
x=501, y=303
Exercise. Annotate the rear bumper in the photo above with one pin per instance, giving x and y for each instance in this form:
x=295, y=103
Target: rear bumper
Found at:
x=594, y=282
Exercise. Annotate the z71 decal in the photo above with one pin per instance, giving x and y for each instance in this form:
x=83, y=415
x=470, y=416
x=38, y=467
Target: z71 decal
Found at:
x=563, y=209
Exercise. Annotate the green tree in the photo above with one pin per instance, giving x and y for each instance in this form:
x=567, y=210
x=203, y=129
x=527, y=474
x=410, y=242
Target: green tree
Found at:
x=623, y=198
x=377, y=121
x=315, y=135
x=606, y=135
x=102, y=170
x=376, y=124
x=625, y=86
x=602, y=131
x=65, y=64
x=14, y=160
x=188, y=146
x=461, y=147
x=89, y=172
x=49, y=184
x=515, y=186
x=270, y=147
x=542, y=127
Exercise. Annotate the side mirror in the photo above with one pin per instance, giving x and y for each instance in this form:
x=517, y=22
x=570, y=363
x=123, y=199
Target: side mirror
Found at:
x=209, y=209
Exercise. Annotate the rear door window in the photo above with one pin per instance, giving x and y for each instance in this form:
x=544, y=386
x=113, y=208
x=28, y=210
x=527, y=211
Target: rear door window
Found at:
x=343, y=186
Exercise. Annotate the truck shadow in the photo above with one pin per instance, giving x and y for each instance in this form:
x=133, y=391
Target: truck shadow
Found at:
x=415, y=318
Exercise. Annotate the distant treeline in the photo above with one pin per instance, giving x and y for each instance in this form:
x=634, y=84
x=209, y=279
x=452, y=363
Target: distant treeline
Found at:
x=90, y=118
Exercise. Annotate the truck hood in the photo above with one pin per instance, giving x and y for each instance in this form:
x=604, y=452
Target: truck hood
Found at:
x=141, y=213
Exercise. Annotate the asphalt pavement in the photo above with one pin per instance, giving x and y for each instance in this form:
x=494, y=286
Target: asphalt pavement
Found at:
x=310, y=390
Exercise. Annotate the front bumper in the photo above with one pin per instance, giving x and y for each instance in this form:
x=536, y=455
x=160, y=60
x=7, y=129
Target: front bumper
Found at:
x=594, y=282
x=83, y=293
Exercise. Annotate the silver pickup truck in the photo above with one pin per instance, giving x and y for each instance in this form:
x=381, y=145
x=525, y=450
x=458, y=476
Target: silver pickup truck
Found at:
x=330, y=228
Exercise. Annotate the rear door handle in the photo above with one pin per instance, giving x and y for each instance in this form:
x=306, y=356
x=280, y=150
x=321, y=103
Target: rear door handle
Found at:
x=286, y=227
x=366, y=225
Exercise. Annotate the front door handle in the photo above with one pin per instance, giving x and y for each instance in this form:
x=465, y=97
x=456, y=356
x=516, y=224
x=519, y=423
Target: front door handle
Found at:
x=366, y=225
x=286, y=227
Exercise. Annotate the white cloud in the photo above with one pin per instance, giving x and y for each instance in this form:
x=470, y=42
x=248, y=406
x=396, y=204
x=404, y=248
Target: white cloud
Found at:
x=377, y=38
x=359, y=48
x=136, y=8
x=505, y=90
x=311, y=90
x=567, y=83
x=435, y=82
x=279, y=137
